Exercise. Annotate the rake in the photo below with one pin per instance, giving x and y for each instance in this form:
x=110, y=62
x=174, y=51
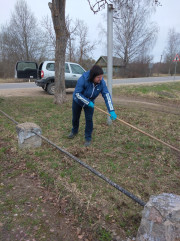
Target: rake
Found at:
x=143, y=132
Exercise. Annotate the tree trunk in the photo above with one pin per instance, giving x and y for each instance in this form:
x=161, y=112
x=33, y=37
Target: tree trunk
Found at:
x=57, y=8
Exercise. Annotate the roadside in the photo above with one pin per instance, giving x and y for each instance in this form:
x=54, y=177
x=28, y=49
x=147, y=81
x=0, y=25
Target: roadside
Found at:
x=27, y=92
x=122, y=98
x=23, y=92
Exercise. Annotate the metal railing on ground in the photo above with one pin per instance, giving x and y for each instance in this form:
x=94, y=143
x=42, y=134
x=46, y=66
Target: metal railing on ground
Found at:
x=97, y=173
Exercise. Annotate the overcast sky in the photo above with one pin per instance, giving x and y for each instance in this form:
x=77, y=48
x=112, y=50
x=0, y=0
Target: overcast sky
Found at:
x=167, y=16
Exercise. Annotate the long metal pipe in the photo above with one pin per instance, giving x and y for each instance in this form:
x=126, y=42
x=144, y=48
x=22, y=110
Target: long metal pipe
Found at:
x=100, y=175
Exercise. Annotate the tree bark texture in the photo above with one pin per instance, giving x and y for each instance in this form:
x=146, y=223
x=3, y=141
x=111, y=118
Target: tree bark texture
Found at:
x=57, y=8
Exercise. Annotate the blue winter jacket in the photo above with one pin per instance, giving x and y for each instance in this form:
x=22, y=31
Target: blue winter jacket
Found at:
x=87, y=91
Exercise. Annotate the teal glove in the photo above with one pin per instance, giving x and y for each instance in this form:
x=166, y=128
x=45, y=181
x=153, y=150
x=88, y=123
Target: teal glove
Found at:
x=113, y=115
x=91, y=104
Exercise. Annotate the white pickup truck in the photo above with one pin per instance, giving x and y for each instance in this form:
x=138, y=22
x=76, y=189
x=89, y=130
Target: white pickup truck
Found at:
x=45, y=72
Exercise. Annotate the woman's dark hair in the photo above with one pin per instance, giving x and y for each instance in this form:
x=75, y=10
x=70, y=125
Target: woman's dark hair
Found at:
x=95, y=71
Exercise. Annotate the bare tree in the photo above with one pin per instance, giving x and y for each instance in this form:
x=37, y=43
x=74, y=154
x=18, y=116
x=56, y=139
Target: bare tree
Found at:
x=134, y=35
x=25, y=33
x=50, y=38
x=21, y=39
x=172, y=47
x=78, y=45
x=71, y=48
x=47, y=24
x=57, y=8
x=84, y=46
x=98, y=5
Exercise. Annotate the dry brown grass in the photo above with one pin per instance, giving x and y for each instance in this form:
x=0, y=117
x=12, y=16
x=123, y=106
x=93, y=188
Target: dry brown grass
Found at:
x=12, y=80
x=130, y=159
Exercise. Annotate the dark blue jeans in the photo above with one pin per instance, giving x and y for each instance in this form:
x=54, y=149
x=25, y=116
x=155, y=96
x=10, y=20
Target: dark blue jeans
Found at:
x=76, y=113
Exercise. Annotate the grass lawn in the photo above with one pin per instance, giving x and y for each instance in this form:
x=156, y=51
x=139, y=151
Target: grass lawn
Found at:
x=169, y=91
x=132, y=160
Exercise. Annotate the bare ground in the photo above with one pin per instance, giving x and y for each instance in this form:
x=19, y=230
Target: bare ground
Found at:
x=32, y=212
x=23, y=92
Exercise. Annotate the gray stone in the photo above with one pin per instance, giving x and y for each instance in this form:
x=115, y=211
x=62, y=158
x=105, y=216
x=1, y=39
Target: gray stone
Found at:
x=160, y=219
x=26, y=136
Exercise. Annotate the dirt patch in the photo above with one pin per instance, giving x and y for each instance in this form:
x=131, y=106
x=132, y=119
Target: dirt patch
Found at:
x=30, y=211
x=27, y=92
x=144, y=103
x=151, y=104
x=23, y=92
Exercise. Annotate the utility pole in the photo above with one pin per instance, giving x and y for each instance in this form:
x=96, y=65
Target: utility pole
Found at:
x=109, y=51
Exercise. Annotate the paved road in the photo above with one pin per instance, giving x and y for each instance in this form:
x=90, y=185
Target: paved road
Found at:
x=18, y=86
x=115, y=81
x=146, y=80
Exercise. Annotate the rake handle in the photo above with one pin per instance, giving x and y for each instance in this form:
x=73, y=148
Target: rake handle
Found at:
x=143, y=132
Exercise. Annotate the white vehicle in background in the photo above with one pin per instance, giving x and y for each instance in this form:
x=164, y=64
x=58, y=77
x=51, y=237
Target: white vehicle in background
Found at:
x=45, y=72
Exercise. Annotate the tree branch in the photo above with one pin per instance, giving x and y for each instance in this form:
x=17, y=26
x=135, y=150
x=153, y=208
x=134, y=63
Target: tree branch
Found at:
x=99, y=4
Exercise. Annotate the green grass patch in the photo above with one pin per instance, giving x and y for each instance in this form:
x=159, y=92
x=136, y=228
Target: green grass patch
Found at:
x=164, y=91
x=104, y=235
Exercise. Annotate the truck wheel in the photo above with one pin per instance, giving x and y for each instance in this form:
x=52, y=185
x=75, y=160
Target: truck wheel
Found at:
x=51, y=88
x=44, y=88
